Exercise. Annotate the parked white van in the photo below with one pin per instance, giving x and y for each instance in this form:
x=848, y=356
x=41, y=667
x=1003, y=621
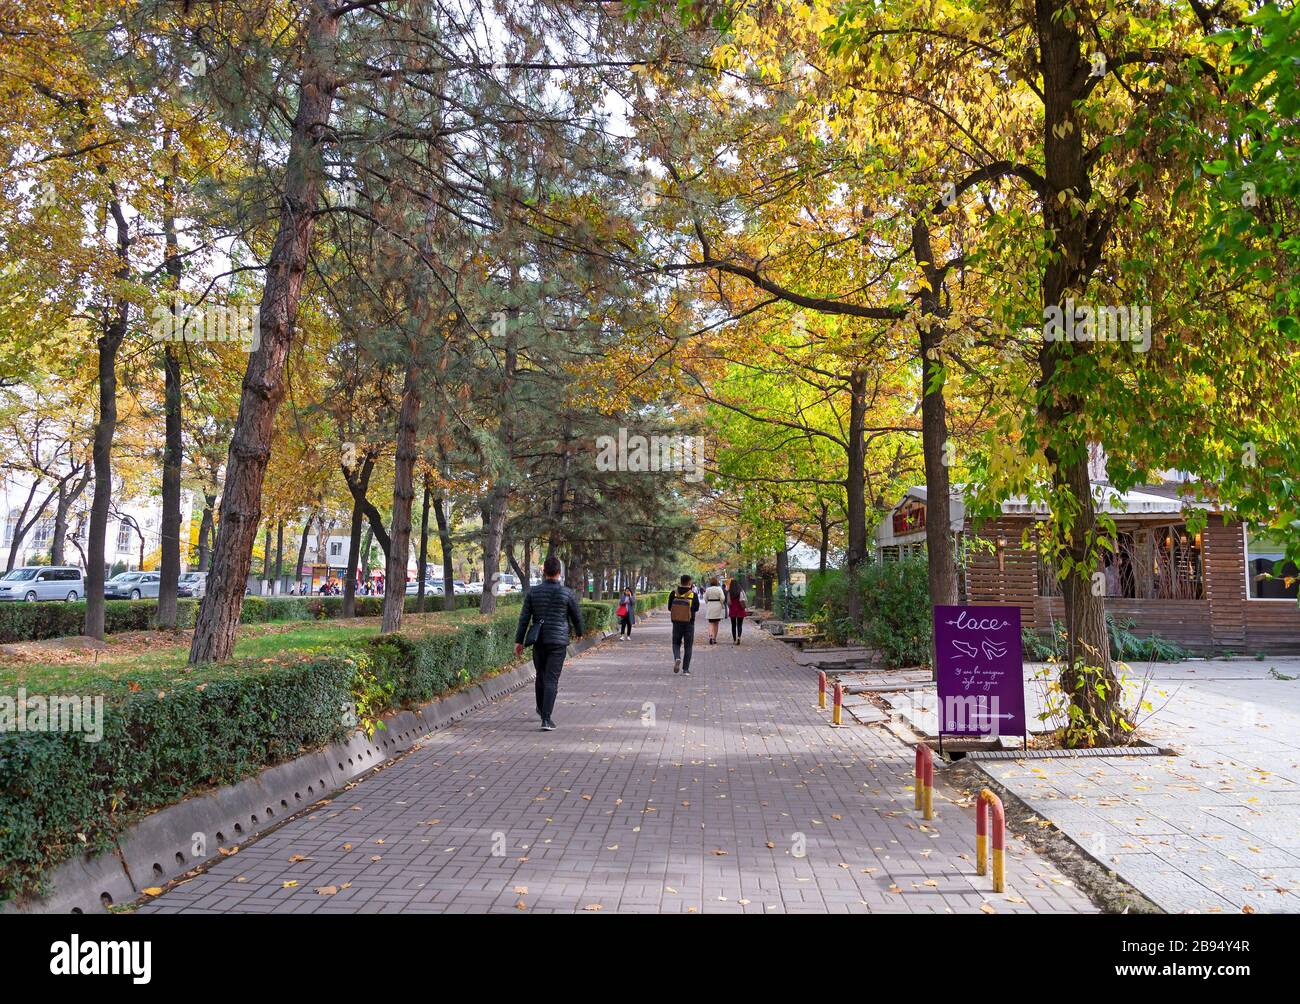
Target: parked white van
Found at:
x=43, y=582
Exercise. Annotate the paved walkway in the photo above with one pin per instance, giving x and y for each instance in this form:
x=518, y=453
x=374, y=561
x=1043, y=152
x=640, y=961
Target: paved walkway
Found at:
x=723, y=792
x=1215, y=829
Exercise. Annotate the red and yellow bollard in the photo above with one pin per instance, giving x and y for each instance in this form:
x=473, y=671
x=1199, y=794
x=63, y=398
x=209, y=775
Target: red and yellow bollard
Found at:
x=837, y=713
x=925, y=780
x=821, y=689
x=987, y=799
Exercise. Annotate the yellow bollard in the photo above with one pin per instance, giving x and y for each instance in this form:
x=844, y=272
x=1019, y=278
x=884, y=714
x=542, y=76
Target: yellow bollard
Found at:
x=987, y=800
x=925, y=780
x=837, y=714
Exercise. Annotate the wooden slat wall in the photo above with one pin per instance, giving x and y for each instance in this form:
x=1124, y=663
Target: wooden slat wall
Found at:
x=1016, y=582
x=1225, y=619
x=1184, y=621
x=1272, y=626
x=1225, y=582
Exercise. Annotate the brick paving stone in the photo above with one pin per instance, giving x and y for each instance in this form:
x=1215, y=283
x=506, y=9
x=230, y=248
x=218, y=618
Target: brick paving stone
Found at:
x=658, y=793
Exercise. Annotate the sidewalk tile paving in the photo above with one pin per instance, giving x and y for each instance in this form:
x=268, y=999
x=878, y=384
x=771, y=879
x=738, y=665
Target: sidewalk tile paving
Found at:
x=658, y=793
x=1214, y=829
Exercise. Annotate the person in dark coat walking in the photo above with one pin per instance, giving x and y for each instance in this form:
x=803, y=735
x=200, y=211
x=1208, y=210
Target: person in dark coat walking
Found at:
x=550, y=607
x=626, y=614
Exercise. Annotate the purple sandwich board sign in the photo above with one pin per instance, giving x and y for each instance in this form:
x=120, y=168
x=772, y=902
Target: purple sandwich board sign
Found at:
x=979, y=672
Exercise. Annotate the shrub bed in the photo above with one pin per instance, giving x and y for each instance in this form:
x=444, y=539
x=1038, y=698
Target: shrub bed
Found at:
x=167, y=733
x=895, y=598
x=1125, y=644
x=38, y=621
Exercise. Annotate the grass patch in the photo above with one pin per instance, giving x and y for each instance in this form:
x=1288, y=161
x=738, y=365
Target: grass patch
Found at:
x=168, y=653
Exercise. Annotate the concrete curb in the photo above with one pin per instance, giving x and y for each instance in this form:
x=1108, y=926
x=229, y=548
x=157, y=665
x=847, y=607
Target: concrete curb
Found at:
x=178, y=838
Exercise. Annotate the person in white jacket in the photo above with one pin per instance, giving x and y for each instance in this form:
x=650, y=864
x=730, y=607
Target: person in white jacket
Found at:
x=715, y=608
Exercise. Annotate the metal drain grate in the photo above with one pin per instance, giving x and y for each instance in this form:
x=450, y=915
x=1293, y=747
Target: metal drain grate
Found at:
x=1065, y=754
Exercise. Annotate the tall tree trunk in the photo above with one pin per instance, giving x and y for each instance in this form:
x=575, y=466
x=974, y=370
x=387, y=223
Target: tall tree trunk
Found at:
x=169, y=532
x=278, y=584
x=856, y=498
x=266, y=556
x=520, y=572
x=494, y=518
x=77, y=532
x=354, y=540
x=783, y=580
x=110, y=340
x=941, y=566
x=67, y=499
x=1074, y=238
x=24, y=527
x=20, y=528
x=423, y=563
x=555, y=538
x=324, y=527
x=824, y=544
x=302, y=550
x=359, y=490
x=495, y=512
x=444, y=542
x=403, y=492
x=263, y=389
x=205, y=531
x=855, y=482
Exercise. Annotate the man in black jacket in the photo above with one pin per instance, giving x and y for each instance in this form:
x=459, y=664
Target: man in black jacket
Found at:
x=551, y=606
x=683, y=604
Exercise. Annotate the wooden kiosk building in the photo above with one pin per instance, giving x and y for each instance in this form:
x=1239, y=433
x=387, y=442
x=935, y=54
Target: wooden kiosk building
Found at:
x=1225, y=589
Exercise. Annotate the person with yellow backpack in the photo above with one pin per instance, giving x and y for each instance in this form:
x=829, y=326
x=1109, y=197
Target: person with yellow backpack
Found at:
x=683, y=604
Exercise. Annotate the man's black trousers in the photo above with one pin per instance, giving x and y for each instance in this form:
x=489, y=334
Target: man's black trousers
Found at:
x=548, y=660
x=683, y=637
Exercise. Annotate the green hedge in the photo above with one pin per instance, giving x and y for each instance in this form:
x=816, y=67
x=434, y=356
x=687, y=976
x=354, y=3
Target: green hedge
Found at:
x=38, y=621
x=895, y=604
x=170, y=732
x=163, y=738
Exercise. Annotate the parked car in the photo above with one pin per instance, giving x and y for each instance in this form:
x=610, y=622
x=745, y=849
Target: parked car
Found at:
x=461, y=589
x=431, y=588
x=132, y=586
x=508, y=583
x=192, y=584
x=39, y=582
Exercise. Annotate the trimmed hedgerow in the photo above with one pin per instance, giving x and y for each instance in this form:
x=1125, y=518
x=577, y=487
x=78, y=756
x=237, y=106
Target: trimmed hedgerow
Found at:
x=170, y=732
x=164, y=736
x=38, y=621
